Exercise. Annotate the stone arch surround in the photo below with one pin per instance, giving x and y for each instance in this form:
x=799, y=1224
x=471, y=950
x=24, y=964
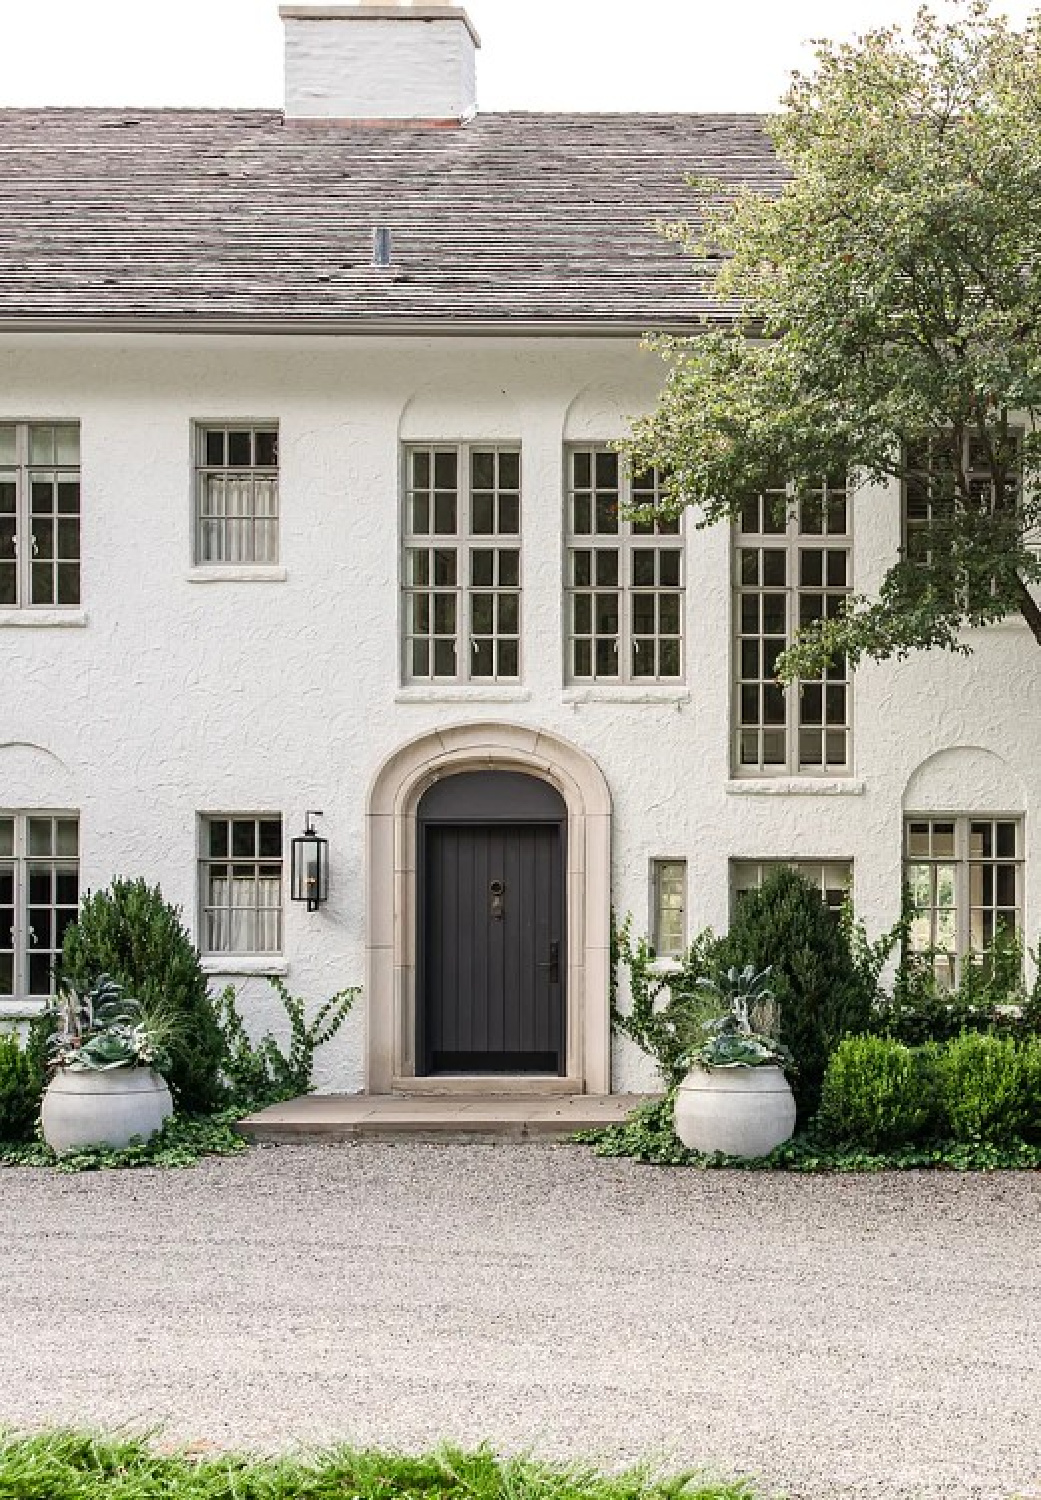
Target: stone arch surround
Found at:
x=390, y=861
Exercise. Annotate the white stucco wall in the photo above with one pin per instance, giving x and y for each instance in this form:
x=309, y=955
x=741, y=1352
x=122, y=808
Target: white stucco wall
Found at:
x=178, y=697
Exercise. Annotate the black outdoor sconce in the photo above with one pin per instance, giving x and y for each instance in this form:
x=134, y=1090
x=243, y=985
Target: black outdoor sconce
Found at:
x=309, y=865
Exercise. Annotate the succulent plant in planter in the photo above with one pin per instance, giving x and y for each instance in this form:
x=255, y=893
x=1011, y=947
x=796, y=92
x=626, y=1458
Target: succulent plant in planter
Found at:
x=106, y=1055
x=735, y=1098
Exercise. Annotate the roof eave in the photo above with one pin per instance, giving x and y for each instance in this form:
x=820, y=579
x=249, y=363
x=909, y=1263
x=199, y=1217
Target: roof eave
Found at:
x=329, y=327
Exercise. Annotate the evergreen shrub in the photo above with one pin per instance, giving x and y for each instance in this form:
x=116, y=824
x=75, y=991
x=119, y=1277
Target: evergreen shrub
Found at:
x=19, y=1091
x=786, y=927
x=984, y=1087
x=132, y=934
x=877, y=1093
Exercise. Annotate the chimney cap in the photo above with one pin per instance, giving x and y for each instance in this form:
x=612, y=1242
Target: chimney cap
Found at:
x=381, y=10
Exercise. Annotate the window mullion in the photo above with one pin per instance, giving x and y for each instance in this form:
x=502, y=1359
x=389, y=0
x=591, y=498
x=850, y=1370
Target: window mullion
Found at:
x=464, y=541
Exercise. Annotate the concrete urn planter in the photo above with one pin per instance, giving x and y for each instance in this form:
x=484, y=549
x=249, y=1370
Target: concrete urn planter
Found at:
x=740, y=1111
x=87, y=1108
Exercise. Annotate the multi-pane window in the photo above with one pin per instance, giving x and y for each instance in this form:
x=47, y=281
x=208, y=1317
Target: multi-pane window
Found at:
x=39, y=898
x=965, y=880
x=668, y=907
x=39, y=514
x=240, y=884
x=624, y=578
x=929, y=489
x=833, y=878
x=462, y=585
x=236, y=494
x=793, y=567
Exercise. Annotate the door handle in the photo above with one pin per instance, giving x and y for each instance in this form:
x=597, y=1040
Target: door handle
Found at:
x=497, y=899
x=554, y=963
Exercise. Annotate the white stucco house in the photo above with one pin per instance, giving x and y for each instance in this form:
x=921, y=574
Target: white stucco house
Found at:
x=307, y=502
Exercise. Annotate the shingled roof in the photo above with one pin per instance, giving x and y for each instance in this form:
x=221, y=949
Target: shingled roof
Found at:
x=232, y=219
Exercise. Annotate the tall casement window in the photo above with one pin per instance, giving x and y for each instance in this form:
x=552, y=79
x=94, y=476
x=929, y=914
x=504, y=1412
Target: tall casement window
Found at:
x=39, y=898
x=833, y=877
x=624, y=578
x=236, y=493
x=39, y=514
x=461, y=565
x=669, y=907
x=240, y=883
x=965, y=880
x=790, y=570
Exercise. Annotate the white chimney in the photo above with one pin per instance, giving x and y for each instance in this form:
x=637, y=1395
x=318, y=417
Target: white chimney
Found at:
x=382, y=60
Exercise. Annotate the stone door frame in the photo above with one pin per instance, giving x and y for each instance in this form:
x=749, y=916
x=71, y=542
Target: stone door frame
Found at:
x=390, y=925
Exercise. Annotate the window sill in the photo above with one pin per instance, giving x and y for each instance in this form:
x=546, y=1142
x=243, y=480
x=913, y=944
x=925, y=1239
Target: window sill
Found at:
x=605, y=693
x=21, y=1010
x=245, y=964
x=237, y=573
x=47, y=618
x=475, y=694
x=798, y=786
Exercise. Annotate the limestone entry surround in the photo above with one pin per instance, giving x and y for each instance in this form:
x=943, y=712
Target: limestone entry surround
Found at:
x=390, y=966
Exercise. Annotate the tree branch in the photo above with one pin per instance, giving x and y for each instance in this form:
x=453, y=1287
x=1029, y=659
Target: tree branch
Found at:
x=1030, y=610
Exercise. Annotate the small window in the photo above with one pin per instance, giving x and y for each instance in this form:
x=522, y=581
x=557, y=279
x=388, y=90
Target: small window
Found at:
x=39, y=898
x=965, y=879
x=240, y=883
x=833, y=878
x=668, y=907
x=236, y=494
x=39, y=515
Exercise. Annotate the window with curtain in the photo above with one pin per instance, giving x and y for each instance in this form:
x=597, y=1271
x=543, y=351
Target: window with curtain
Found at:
x=236, y=494
x=240, y=883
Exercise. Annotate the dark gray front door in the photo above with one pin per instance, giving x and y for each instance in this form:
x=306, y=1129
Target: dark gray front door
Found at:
x=491, y=981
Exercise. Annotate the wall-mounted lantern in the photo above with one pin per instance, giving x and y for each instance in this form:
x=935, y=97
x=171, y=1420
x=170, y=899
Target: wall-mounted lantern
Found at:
x=309, y=865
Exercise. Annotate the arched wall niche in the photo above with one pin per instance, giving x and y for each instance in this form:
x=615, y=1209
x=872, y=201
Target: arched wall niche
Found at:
x=458, y=411
x=31, y=776
x=391, y=957
x=964, y=779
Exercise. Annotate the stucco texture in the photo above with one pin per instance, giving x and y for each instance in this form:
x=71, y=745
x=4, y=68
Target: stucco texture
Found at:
x=178, y=697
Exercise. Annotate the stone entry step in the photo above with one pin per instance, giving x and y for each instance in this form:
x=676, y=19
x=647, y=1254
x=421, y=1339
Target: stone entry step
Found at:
x=346, y=1117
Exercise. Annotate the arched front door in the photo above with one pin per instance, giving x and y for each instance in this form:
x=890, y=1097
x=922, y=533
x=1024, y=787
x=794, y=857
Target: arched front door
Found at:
x=491, y=971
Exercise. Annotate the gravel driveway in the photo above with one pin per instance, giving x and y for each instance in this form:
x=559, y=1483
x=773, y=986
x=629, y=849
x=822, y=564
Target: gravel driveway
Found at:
x=831, y=1336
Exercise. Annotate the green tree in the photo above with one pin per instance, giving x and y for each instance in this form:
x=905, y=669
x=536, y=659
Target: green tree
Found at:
x=887, y=323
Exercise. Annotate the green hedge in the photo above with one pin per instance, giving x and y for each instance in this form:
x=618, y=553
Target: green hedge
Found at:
x=879, y=1093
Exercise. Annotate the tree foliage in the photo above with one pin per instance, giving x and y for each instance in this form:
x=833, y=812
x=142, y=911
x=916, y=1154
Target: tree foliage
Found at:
x=886, y=324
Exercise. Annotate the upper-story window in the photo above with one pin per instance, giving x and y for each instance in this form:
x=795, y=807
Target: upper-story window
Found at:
x=236, y=493
x=461, y=565
x=39, y=898
x=39, y=514
x=791, y=569
x=928, y=490
x=624, y=578
x=964, y=876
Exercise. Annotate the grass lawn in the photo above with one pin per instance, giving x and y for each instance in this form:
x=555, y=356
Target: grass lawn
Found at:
x=78, y=1466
